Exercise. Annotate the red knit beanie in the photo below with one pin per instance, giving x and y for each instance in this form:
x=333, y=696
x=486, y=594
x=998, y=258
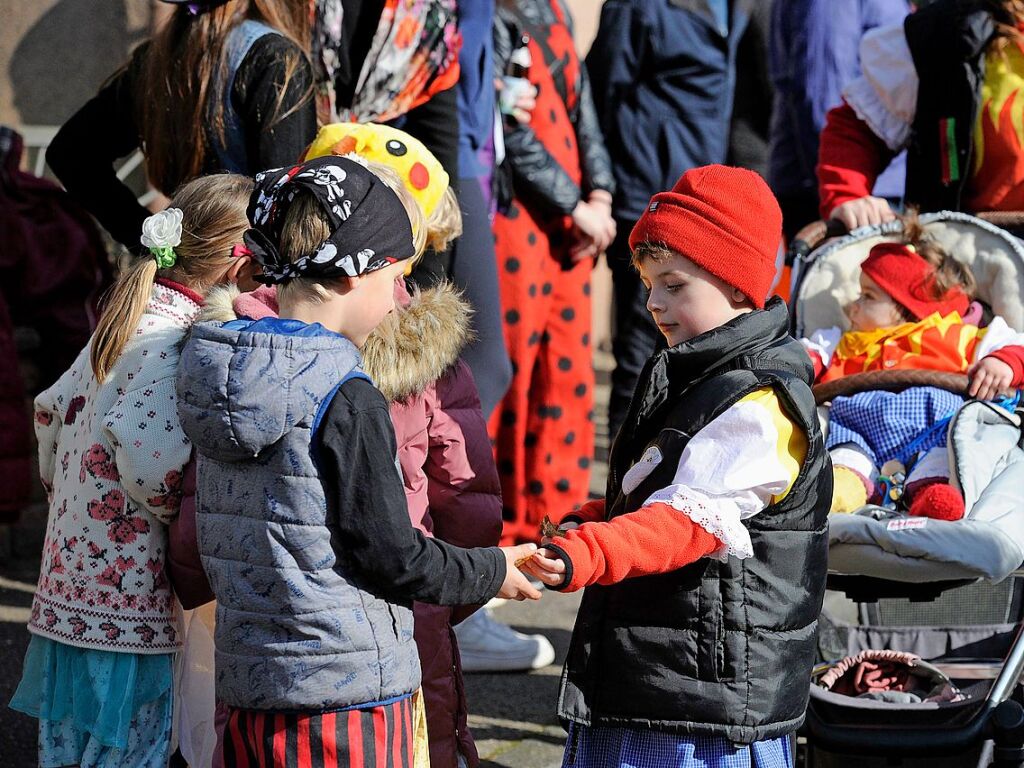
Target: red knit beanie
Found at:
x=724, y=220
x=902, y=272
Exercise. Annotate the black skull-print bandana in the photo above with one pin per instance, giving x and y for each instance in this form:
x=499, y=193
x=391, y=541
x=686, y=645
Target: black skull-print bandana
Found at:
x=370, y=228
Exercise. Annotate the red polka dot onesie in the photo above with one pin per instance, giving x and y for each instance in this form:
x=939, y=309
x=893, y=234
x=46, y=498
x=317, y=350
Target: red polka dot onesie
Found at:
x=543, y=429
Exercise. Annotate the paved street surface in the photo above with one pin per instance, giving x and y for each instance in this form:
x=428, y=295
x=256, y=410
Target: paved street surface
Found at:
x=19, y=566
x=512, y=715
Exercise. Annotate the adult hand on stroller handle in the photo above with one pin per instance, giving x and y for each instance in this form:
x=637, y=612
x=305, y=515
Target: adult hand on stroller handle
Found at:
x=866, y=211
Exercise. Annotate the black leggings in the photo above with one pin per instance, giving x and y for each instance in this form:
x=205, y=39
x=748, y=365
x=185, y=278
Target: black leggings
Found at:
x=474, y=269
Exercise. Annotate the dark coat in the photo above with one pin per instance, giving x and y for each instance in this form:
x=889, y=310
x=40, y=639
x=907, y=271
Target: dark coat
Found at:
x=529, y=168
x=947, y=42
x=665, y=79
x=53, y=270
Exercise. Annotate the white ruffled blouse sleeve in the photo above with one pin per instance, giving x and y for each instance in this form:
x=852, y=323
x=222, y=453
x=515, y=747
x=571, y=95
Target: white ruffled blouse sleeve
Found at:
x=885, y=94
x=995, y=336
x=739, y=464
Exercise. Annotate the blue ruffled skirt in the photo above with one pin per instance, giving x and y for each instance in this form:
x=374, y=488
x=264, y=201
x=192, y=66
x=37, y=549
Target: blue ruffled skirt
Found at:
x=97, y=708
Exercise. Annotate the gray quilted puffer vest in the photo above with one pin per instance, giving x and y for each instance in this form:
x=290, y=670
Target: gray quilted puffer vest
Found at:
x=294, y=631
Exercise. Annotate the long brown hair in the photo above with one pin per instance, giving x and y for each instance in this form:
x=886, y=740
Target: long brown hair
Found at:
x=213, y=221
x=178, y=75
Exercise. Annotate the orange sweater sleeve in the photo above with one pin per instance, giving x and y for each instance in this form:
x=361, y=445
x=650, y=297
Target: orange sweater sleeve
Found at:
x=654, y=539
x=591, y=512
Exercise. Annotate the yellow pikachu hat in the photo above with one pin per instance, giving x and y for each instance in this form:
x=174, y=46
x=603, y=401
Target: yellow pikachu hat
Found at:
x=416, y=165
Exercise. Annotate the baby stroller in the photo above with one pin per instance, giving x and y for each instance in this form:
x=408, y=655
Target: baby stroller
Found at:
x=947, y=592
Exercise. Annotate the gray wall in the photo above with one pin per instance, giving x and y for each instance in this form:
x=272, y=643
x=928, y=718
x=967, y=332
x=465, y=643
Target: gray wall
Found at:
x=54, y=54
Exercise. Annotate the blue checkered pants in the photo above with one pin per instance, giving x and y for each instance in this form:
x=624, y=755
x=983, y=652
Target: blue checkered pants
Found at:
x=641, y=748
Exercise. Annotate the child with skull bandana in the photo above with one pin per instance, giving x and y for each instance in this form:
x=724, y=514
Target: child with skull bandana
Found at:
x=303, y=526
x=451, y=481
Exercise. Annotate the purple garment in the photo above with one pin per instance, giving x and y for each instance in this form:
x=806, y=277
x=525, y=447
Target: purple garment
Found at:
x=814, y=53
x=486, y=179
x=183, y=565
x=476, y=88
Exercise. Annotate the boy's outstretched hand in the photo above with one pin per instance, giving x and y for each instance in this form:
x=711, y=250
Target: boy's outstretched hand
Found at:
x=546, y=566
x=516, y=586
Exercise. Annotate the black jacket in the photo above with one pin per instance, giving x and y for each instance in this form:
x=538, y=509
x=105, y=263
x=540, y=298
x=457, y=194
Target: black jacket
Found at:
x=533, y=172
x=713, y=648
x=947, y=41
x=83, y=152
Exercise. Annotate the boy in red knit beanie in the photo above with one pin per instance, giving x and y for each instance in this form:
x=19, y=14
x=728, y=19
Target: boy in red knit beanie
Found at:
x=704, y=566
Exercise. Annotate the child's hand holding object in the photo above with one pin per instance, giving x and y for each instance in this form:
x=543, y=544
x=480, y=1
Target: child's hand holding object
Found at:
x=546, y=566
x=516, y=586
x=542, y=564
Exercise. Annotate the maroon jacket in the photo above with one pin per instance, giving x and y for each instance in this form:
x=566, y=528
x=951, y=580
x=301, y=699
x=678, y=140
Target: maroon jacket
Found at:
x=451, y=481
x=184, y=568
x=53, y=268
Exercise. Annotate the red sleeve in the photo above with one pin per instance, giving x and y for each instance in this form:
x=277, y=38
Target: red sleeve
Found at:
x=654, y=539
x=850, y=158
x=816, y=361
x=591, y=512
x=1013, y=356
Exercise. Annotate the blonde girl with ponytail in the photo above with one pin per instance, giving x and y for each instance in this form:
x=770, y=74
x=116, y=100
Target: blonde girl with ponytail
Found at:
x=98, y=673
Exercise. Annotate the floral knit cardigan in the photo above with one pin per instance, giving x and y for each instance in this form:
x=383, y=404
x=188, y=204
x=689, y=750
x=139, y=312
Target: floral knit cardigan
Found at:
x=111, y=458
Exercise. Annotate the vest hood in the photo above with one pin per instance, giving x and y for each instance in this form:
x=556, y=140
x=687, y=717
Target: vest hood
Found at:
x=243, y=385
x=412, y=348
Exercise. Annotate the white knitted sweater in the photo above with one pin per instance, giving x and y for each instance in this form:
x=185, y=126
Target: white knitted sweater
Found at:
x=111, y=457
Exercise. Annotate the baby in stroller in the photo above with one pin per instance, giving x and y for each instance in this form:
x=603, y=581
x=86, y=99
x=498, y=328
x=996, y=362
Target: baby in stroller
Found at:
x=915, y=311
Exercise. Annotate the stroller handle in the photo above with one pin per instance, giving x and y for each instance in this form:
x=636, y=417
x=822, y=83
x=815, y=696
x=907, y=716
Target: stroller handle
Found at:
x=890, y=381
x=817, y=232
x=1012, y=220
x=1000, y=719
x=811, y=236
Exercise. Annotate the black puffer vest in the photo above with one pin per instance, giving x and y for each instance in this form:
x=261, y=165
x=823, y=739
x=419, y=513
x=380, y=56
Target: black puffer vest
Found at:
x=947, y=41
x=712, y=648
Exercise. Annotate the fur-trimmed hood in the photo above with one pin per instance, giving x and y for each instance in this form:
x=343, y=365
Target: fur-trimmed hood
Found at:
x=414, y=346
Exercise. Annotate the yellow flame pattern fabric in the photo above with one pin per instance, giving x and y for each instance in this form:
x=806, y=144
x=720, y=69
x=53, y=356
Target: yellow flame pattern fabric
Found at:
x=997, y=173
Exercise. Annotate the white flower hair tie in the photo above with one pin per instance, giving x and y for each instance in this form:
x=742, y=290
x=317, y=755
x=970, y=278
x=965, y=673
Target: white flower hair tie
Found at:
x=161, y=233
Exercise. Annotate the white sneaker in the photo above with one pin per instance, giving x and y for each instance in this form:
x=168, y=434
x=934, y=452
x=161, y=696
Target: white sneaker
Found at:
x=487, y=645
